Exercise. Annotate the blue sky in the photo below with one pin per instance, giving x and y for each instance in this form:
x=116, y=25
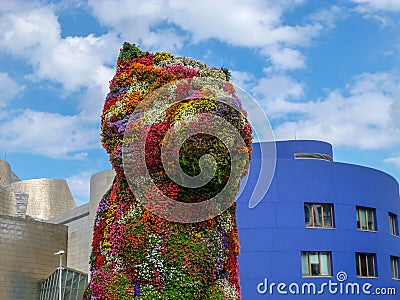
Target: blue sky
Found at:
x=324, y=70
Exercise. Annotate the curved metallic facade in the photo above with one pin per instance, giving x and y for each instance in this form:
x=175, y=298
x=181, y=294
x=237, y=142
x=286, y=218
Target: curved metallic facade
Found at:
x=46, y=197
x=5, y=173
x=26, y=252
x=7, y=176
x=7, y=202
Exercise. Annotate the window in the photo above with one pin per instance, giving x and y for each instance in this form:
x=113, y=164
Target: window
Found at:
x=393, y=224
x=366, y=218
x=313, y=156
x=316, y=263
x=318, y=215
x=394, y=263
x=365, y=264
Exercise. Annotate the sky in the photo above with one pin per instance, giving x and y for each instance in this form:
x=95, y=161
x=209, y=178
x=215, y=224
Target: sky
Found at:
x=320, y=69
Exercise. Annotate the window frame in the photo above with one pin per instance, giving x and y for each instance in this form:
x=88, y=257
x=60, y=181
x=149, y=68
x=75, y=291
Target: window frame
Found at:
x=366, y=210
x=329, y=254
x=366, y=256
x=394, y=266
x=313, y=225
x=393, y=224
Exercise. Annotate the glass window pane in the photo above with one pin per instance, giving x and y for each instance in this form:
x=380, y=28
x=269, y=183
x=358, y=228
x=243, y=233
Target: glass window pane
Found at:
x=70, y=280
x=325, y=263
x=393, y=224
x=75, y=281
x=314, y=258
x=363, y=214
x=327, y=215
x=371, y=265
x=307, y=214
x=358, y=264
x=363, y=261
x=314, y=262
x=371, y=225
x=305, y=270
x=315, y=271
x=317, y=215
x=394, y=263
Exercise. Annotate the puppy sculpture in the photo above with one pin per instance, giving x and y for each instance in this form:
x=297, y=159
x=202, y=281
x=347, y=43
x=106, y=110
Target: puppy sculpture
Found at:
x=179, y=142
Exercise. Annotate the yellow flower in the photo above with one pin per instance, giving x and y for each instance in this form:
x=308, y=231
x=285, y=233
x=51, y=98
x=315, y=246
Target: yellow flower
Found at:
x=161, y=56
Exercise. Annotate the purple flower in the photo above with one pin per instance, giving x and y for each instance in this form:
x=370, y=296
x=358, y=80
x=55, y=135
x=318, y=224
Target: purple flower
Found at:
x=136, y=288
x=116, y=93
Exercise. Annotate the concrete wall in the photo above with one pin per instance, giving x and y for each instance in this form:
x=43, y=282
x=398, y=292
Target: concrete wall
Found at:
x=79, y=236
x=47, y=197
x=99, y=185
x=27, y=257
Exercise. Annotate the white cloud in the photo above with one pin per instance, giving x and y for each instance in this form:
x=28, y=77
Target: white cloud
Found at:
x=78, y=62
x=9, y=89
x=28, y=31
x=256, y=24
x=242, y=79
x=328, y=16
x=50, y=134
x=278, y=87
x=286, y=58
x=34, y=34
x=382, y=5
x=79, y=185
x=273, y=93
x=393, y=160
x=81, y=64
x=134, y=20
x=361, y=116
x=379, y=10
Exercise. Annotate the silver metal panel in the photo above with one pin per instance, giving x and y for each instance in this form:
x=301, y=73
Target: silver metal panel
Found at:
x=26, y=255
x=46, y=197
x=5, y=173
x=7, y=202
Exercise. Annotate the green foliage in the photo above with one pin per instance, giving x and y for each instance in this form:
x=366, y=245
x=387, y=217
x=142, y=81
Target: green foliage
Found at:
x=130, y=51
x=228, y=74
x=87, y=294
x=149, y=292
x=215, y=293
x=181, y=287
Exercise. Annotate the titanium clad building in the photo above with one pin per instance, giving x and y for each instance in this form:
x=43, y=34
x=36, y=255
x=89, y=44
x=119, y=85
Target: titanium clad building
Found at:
x=324, y=230
x=27, y=242
x=26, y=255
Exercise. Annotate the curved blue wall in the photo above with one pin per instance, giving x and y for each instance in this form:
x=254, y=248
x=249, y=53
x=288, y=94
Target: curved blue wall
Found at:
x=273, y=234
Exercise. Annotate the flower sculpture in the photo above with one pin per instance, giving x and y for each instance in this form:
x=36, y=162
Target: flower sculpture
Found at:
x=179, y=142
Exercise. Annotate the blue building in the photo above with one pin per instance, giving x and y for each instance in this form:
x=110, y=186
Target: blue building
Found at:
x=324, y=230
